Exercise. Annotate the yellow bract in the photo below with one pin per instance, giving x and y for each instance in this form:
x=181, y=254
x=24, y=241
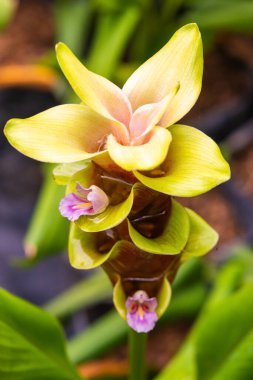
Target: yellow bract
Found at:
x=141, y=157
x=130, y=123
x=179, y=61
x=193, y=166
x=65, y=133
x=95, y=91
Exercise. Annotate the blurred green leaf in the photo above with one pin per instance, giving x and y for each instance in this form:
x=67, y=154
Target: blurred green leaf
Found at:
x=100, y=337
x=73, y=19
x=239, y=364
x=223, y=324
x=91, y=290
x=193, y=271
x=47, y=233
x=116, y=5
x=235, y=16
x=112, y=34
x=7, y=10
x=170, y=8
x=186, y=303
x=32, y=343
x=224, y=329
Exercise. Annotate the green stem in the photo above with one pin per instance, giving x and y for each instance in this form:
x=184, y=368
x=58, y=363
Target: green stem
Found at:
x=137, y=352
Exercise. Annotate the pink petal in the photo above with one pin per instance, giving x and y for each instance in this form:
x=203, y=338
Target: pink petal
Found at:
x=146, y=324
x=98, y=198
x=146, y=320
x=82, y=190
x=87, y=201
x=147, y=116
x=69, y=207
x=180, y=60
x=95, y=91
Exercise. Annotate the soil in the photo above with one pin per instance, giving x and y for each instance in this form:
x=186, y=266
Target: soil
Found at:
x=30, y=33
x=238, y=46
x=220, y=85
x=243, y=168
x=216, y=210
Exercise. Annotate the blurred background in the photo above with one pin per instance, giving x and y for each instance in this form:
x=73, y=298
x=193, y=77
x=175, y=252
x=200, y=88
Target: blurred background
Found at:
x=112, y=38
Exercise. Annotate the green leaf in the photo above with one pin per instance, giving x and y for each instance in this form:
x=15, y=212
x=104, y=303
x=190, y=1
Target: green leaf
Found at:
x=99, y=338
x=202, y=237
x=40, y=240
x=32, y=343
x=239, y=365
x=224, y=329
x=72, y=33
x=112, y=44
x=87, y=292
x=236, y=16
x=7, y=11
x=184, y=366
x=173, y=238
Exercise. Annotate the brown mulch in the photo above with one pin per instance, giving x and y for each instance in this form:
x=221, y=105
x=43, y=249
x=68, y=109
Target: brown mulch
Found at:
x=223, y=81
x=243, y=169
x=215, y=209
x=239, y=46
x=29, y=34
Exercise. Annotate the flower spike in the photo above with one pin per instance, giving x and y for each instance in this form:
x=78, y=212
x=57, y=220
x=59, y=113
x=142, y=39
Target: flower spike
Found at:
x=126, y=141
x=88, y=201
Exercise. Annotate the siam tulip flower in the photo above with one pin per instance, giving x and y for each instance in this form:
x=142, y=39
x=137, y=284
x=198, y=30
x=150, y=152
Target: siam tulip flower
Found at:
x=133, y=128
x=122, y=158
x=141, y=314
x=85, y=201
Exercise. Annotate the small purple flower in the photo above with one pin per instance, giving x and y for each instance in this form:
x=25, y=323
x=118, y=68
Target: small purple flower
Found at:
x=141, y=314
x=85, y=201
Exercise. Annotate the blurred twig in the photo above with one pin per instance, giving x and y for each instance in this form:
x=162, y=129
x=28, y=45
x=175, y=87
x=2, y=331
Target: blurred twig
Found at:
x=28, y=76
x=106, y=368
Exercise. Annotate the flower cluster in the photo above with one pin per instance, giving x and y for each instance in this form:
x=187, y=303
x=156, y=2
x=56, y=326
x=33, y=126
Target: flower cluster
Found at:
x=123, y=158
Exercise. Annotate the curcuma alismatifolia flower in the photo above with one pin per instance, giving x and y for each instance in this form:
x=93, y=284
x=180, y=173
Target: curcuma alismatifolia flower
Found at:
x=123, y=158
x=141, y=314
x=84, y=201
